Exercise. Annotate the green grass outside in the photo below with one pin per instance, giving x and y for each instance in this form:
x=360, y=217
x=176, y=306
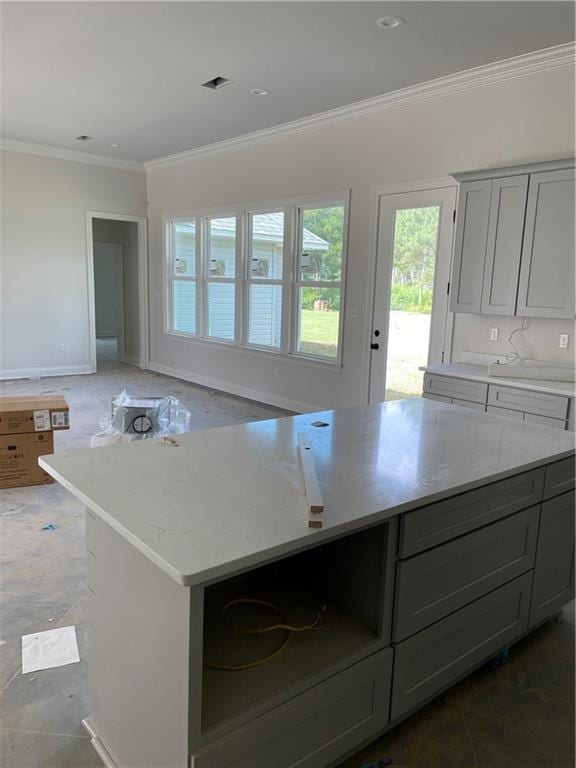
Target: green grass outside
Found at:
x=319, y=333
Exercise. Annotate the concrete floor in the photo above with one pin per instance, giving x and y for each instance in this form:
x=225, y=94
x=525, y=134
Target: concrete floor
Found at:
x=519, y=716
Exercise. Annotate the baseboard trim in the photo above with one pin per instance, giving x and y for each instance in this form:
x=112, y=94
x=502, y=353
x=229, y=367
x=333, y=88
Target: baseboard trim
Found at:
x=131, y=361
x=43, y=373
x=233, y=389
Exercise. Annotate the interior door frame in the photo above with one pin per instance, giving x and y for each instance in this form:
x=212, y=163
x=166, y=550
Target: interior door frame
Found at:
x=373, y=388
x=119, y=277
x=142, y=232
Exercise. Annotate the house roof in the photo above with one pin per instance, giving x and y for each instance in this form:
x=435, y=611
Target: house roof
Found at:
x=268, y=227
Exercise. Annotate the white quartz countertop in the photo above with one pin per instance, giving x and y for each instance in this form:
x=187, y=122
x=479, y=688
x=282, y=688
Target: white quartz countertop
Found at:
x=229, y=498
x=480, y=373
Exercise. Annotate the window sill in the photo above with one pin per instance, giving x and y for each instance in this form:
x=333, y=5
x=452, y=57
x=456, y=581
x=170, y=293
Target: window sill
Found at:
x=307, y=360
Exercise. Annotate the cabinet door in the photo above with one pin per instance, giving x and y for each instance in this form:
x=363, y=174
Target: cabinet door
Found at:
x=546, y=286
x=470, y=246
x=554, y=568
x=504, y=246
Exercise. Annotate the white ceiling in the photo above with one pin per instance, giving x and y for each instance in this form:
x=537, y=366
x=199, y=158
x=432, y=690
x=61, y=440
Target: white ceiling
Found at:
x=130, y=72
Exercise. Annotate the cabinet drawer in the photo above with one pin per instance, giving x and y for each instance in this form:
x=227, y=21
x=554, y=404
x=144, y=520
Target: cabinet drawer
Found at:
x=559, y=477
x=554, y=570
x=546, y=421
x=429, y=662
x=463, y=389
x=436, y=523
x=538, y=403
x=505, y=413
x=466, y=404
x=436, y=583
x=314, y=729
x=439, y=398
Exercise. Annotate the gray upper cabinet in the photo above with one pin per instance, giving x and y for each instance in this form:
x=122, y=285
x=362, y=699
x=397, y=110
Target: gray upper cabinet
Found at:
x=547, y=274
x=514, y=244
x=470, y=246
x=504, y=246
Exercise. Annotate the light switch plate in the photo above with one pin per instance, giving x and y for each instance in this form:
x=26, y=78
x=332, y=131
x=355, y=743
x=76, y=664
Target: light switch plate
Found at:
x=493, y=334
x=564, y=340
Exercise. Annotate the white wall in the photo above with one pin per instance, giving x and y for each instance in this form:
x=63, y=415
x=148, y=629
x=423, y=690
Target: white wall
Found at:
x=126, y=233
x=44, y=282
x=520, y=120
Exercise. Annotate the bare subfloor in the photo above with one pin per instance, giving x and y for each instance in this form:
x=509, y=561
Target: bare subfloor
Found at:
x=519, y=716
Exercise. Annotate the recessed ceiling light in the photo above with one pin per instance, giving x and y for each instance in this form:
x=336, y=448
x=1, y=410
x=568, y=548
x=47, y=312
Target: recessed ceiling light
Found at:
x=115, y=145
x=83, y=137
x=259, y=91
x=390, y=22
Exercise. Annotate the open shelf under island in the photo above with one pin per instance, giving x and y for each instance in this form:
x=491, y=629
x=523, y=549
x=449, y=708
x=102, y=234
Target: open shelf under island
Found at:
x=448, y=535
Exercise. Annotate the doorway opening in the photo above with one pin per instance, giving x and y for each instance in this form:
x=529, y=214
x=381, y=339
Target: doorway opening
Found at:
x=118, y=289
x=412, y=325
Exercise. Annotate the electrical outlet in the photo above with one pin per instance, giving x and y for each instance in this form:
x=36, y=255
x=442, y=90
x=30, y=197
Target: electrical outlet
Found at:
x=564, y=339
x=61, y=346
x=493, y=334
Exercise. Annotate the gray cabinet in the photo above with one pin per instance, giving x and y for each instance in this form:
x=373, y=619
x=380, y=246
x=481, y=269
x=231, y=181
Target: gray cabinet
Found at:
x=470, y=246
x=554, y=569
x=444, y=579
x=514, y=244
x=430, y=661
x=546, y=286
x=504, y=246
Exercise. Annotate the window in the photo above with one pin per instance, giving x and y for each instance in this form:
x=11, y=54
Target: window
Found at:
x=319, y=281
x=184, y=276
x=264, y=277
x=221, y=278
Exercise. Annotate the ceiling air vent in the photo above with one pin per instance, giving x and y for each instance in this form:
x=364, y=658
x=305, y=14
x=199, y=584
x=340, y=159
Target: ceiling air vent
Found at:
x=216, y=82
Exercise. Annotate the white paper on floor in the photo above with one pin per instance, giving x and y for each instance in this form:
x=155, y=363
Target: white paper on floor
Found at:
x=53, y=648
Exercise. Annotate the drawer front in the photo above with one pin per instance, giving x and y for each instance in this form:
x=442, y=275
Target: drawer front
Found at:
x=436, y=583
x=312, y=730
x=439, y=398
x=538, y=403
x=466, y=404
x=546, y=421
x=436, y=523
x=463, y=389
x=430, y=661
x=505, y=413
x=559, y=477
x=554, y=569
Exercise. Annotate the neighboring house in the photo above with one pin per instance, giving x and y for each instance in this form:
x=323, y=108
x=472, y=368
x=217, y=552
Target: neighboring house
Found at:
x=265, y=299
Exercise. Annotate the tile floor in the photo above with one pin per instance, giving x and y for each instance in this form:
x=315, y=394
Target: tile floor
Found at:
x=519, y=716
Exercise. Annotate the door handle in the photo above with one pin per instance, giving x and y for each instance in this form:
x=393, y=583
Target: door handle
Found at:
x=374, y=345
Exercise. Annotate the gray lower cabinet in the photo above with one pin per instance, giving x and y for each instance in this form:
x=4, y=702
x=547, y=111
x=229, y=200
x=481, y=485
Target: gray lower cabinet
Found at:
x=436, y=523
x=554, y=569
x=314, y=729
x=559, y=477
x=546, y=287
x=435, y=658
x=436, y=583
x=528, y=401
x=504, y=246
x=451, y=387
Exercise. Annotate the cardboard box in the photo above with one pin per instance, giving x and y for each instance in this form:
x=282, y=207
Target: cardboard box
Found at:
x=34, y=413
x=19, y=459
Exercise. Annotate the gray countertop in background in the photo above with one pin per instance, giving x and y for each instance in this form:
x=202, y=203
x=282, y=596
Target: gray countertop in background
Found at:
x=480, y=373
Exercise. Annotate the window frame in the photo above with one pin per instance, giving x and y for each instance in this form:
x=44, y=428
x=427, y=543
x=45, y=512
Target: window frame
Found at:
x=290, y=316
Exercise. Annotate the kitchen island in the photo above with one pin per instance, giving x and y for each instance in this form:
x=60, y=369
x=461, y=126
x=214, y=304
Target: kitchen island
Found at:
x=447, y=536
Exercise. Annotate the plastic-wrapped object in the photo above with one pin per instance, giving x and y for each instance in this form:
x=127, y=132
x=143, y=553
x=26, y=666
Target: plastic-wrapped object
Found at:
x=134, y=418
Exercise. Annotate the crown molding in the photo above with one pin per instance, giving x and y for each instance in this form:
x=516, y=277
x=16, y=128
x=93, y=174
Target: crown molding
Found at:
x=557, y=57
x=58, y=153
